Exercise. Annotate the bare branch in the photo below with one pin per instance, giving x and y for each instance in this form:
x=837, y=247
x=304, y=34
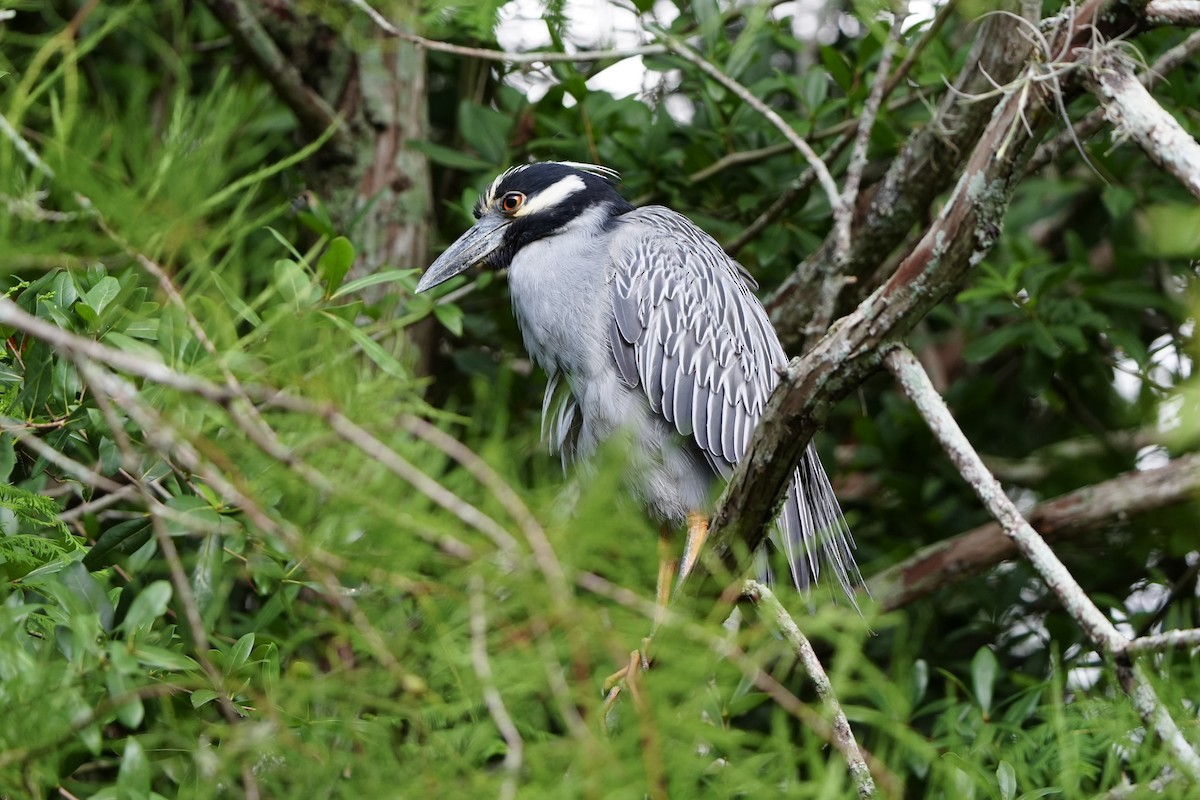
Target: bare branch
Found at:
x=1173, y=12
x=514, y=744
x=1168, y=640
x=536, y=57
x=767, y=602
x=1136, y=114
x=1099, y=629
x=679, y=48
x=916, y=384
x=1171, y=60
x=311, y=110
x=966, y=228
x=925, y=167
x=1078, y=512
x=844, y=214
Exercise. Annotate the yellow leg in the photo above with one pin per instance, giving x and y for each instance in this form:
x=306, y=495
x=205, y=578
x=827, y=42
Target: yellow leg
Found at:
x=667, y=566
x=639, y=660
x=696, y=534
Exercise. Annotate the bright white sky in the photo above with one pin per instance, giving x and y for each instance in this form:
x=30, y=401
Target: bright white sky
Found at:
x=602, y=24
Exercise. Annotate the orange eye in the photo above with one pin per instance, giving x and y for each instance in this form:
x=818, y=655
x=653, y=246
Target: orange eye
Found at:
x=511, y=202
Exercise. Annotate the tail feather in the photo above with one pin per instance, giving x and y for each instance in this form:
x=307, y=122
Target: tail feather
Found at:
x=813, y=530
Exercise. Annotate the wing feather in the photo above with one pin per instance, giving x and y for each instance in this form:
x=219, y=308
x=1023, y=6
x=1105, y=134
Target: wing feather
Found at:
x=707, y=357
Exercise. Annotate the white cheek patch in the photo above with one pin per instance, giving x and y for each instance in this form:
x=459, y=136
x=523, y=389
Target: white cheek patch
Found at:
x=552, y=195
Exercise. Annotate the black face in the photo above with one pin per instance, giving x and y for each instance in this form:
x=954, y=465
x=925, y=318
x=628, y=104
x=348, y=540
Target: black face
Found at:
x=526, y=204
x=540, y=199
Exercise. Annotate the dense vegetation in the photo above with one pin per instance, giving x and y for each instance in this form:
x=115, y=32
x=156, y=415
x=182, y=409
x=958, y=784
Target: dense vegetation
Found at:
x=273, y=526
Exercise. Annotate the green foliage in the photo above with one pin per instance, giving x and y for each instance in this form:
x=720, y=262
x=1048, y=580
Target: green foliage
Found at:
x=265, y=577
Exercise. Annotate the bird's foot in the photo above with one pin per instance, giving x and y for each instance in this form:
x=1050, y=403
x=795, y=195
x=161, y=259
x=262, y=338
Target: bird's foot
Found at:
x=626, y=680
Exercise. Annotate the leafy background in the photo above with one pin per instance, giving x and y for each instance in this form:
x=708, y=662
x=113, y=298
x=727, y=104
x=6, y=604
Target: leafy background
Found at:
x=230, y=591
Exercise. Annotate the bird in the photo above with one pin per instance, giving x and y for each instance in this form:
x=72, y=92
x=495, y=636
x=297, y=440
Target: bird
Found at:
x=656, y=333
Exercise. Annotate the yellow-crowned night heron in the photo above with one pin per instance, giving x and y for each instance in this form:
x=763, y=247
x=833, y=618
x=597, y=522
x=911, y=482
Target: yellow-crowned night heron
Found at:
x=655, y=331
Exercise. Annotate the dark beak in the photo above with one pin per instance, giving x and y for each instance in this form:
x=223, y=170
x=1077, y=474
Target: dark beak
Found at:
x=471, y=248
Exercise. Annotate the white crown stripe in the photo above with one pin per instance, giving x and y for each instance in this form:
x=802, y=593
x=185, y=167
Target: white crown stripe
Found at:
x=599, y=170
x=552, y=195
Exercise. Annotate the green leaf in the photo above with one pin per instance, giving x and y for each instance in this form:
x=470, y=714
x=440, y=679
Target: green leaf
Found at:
x=451, y=316
x=984, y=668
x=118, y=541
x=163, y=658
x=1007, y=778
x=1170, y=230
x=87, y=313
x=335, y=262
x=1118, y=200
x=375, y=278
x=919, y=679
x=835, y=64
x=814, y=88
x=241, y=652
x=131, y=712
x=8, y=457
x=103, y=293
x=292, y=282
x=202, y=696
x=455, y=159
x=992, y=343
x=149, y=605
x=133, y=777
x=84, y=587
x=486, y=130
x=372, y=349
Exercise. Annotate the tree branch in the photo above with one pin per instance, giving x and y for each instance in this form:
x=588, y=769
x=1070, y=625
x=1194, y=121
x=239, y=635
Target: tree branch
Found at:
x=533, y=57
x=1136, y=114
x=769, y=605
x=1173, y=12
x=925, y=167
x=844, y=214
x=1171, y=60
x=1078, y=512
x=679, y=48
x=314, y=113
x=962, y=234
x=1099, y=629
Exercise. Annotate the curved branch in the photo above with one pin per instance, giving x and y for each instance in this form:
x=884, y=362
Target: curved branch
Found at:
x=1058, y=579
x=769, y=604
x=1065, y=517
x=533, y=57
x=311, y=110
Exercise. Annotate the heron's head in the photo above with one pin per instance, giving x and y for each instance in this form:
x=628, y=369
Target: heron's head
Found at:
x=525, y=204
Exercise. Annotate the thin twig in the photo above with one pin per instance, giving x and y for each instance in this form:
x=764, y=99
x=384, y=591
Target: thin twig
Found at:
x=535, y=57
x=514, y=745
x=1170, y=640
x=749, y=668
x=843, y=217
x=679, y=48
x=543, y=551
x=766, y=600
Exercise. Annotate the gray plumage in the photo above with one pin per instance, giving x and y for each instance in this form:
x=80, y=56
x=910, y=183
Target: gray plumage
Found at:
x=653, y=330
